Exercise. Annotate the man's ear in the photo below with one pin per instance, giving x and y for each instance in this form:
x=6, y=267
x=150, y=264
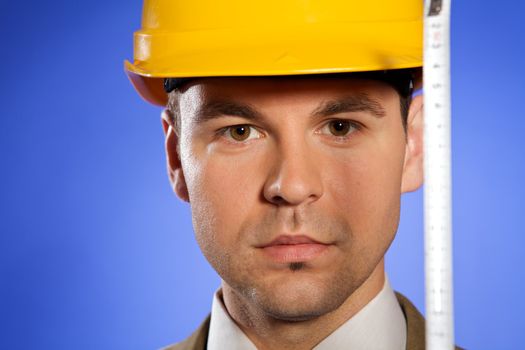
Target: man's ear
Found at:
x=175, y=173
x=412, y=177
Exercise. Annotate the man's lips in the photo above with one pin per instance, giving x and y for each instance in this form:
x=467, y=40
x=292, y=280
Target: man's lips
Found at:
x=291, y=240
x=293, y=248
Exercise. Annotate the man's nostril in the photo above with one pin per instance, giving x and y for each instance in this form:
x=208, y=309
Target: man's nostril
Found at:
x=278, y=200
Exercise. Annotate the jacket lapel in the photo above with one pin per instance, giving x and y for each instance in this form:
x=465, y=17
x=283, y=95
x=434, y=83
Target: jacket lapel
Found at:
x=197, y=341
x=415, y=324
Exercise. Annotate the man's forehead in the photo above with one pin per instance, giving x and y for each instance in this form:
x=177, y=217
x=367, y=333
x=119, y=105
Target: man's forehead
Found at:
x=269, y=88
x=250, y=98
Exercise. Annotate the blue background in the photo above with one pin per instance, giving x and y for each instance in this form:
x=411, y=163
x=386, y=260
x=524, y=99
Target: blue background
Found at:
x=97, y=253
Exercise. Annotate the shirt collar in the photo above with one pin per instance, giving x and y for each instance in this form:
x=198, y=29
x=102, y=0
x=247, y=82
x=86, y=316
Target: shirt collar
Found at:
x=379, y=325
x=224, y=332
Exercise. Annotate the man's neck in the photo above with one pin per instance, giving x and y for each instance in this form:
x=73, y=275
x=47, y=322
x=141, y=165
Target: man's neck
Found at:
x=267, y=332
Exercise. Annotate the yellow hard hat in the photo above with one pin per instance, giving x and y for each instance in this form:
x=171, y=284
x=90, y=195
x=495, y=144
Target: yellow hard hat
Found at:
x=207, y=38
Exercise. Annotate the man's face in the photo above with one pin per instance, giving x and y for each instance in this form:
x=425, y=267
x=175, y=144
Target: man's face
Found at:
x=294, y=185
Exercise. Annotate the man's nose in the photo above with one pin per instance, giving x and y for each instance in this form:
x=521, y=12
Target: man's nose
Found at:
x=295, y=175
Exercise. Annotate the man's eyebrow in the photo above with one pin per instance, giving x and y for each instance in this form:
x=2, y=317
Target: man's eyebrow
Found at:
x=354, y=103
x=215, y=109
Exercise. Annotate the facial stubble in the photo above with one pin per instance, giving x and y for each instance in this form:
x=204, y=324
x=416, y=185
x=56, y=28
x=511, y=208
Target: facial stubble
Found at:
x=296, y=266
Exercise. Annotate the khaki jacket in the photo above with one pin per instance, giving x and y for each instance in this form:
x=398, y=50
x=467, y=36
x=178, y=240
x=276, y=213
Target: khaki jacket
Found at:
x=415, y=330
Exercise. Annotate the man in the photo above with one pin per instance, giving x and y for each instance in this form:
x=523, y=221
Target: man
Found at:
x=292, y=132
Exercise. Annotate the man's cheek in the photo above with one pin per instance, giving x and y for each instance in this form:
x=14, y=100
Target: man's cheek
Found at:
x=221, y=197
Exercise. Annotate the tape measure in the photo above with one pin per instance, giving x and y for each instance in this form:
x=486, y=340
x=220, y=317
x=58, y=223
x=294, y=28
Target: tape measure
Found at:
x=438, y=178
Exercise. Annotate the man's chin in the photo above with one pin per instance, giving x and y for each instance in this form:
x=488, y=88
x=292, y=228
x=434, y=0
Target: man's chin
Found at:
x=299, y=309
x=299, y=299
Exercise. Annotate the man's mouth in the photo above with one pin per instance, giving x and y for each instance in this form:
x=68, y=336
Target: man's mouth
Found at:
x=294, y=248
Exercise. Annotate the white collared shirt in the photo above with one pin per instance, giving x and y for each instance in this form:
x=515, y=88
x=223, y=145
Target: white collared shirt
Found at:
x=380, y=325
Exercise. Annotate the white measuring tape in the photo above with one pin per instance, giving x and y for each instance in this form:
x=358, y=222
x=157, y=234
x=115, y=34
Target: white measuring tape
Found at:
x=438, y=190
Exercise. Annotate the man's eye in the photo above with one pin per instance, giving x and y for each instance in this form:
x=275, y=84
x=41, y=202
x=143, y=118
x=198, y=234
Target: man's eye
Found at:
x=241, y=133
x=339, y=128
